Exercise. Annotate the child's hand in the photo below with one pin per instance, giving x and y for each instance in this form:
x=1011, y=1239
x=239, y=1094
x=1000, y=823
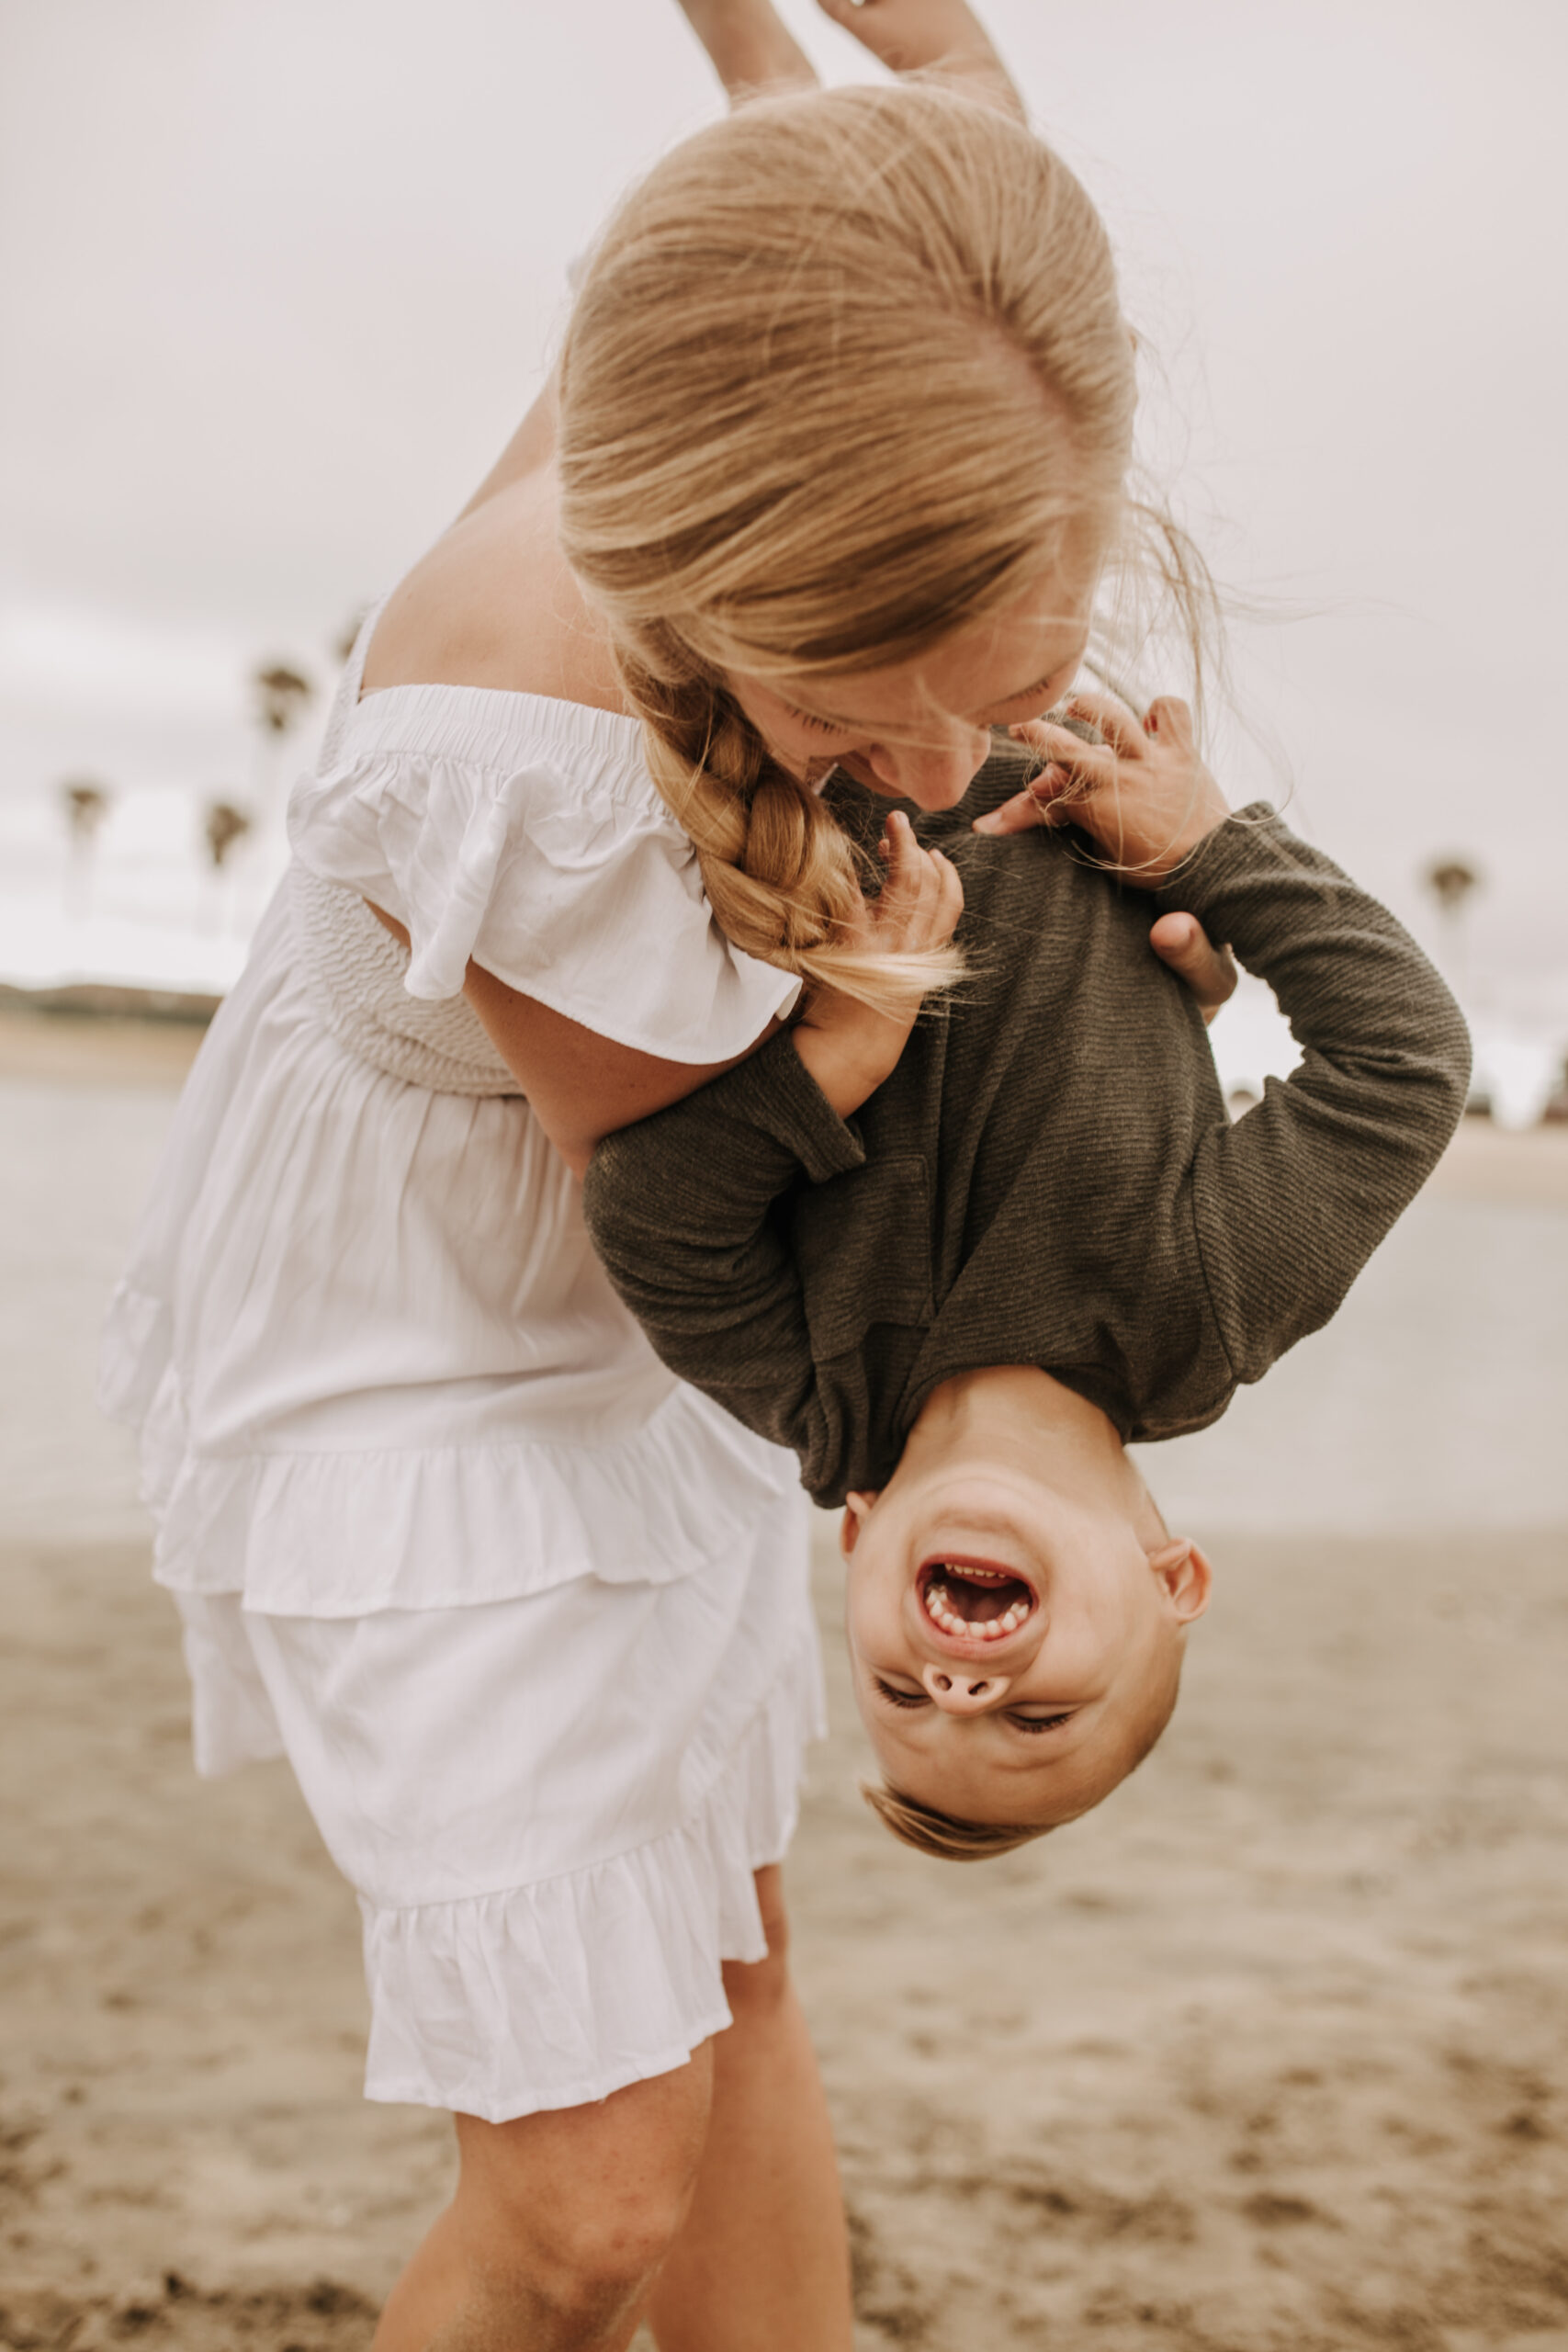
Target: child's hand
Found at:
x=1185, y=948
x=850, y=1047
x=1142, y=794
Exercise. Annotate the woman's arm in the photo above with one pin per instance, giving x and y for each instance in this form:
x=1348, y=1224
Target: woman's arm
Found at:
x=581, y=1086
x=584, y=1086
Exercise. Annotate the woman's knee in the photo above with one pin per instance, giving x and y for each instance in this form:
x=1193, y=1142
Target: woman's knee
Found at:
x=592, y=2266
x=572, y=2212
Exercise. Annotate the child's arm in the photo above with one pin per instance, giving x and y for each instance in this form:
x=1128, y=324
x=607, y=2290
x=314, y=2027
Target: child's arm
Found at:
x=680, y=1207
x=681, y=1212
x=1289, y=1202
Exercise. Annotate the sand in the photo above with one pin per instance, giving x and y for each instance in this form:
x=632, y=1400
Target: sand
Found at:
x=1268, y=2053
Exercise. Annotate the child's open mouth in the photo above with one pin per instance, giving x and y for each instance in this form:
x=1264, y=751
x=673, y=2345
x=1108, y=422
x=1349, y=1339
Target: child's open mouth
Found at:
x=973, y=1604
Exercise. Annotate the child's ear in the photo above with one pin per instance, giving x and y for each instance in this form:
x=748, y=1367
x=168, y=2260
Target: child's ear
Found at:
x=1187, y=1576
x=857, y=1511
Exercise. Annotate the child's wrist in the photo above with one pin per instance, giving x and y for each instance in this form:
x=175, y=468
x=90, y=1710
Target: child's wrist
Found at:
x=847, y=1070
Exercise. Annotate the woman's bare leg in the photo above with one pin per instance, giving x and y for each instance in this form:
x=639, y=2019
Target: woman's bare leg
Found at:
x=752, y=52
x=718, y=2180
x=909, y=35
x=763, y=2262
x=560, y=2225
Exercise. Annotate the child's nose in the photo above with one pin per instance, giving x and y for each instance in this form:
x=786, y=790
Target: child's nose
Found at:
x=964, y=1694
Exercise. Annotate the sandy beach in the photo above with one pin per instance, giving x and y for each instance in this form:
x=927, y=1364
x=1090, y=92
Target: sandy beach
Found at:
x=1267, y=2055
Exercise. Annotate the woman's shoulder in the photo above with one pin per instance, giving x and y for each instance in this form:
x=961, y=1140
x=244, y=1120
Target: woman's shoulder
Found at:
x=480, y=693
x=514, y=825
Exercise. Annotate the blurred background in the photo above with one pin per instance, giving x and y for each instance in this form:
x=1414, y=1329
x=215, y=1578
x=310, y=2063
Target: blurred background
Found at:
x=277, y=283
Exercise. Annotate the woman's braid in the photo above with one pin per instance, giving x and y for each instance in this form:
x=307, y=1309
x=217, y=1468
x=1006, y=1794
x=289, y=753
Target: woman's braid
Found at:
x=778, y=870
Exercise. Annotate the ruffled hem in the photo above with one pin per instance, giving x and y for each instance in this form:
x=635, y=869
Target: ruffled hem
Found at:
x=558, y=1993
x=453, y=1525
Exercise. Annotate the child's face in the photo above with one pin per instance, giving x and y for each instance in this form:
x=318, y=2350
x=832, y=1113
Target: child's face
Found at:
x=1014, y=1646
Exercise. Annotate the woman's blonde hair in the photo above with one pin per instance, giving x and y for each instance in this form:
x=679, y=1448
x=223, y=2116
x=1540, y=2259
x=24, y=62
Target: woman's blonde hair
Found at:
x=844, y=372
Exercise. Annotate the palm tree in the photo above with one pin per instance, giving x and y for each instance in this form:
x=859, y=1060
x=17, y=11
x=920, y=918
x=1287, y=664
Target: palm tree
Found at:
x=281, y=696
x=223, y=823
x=223, y=826
x=1453, y=882
x=86, y=806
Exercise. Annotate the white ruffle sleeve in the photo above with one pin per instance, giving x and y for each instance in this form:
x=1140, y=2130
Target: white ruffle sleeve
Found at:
x=527, y=835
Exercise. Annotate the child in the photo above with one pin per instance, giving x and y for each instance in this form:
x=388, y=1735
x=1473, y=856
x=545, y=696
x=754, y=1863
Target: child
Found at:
x=959, y=1296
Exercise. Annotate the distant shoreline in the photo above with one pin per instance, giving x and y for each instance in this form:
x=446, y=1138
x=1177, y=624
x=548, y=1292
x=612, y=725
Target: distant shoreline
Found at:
x=99, y=1001
x=94, y=1034
x=90, y=1034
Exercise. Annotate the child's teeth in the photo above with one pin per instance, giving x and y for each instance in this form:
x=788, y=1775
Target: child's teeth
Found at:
x=939, y=1604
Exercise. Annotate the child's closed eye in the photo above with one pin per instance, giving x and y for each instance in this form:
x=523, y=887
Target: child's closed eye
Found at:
x=896, y=1698
x=1031, y=1724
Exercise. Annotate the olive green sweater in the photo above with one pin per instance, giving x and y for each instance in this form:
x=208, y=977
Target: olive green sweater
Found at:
x=1049, y=1177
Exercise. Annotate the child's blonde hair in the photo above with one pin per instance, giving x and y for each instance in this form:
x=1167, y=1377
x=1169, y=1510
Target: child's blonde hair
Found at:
x=952, y=1840
x=845, y=370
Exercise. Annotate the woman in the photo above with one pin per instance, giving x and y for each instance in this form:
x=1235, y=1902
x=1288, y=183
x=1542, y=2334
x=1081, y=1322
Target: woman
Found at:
x=844, y=418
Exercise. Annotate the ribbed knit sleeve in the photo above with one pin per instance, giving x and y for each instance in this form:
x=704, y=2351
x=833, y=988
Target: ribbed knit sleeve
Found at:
x=680, y=1208
x=1291, y=1201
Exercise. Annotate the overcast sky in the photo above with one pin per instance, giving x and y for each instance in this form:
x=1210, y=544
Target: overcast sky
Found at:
x=276, y=281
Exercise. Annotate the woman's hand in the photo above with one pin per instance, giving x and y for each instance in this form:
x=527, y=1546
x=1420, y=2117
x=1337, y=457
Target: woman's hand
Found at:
x=1142, y=793
x=850, y=1047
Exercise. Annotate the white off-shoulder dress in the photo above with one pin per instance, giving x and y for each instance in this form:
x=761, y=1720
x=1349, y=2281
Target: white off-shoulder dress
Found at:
x=528, y=1617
